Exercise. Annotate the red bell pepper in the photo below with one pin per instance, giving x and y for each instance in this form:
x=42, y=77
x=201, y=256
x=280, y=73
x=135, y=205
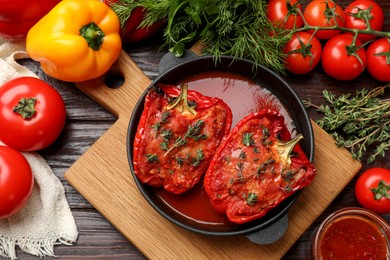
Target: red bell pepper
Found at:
x=132, y=31
x=256, y=167
x=177, y=135
x=18, y=16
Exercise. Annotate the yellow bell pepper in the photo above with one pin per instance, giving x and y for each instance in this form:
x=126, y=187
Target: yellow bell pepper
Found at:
x=76, y=41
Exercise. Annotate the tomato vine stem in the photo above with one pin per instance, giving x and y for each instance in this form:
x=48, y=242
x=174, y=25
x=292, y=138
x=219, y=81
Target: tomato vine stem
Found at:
x=336, y=26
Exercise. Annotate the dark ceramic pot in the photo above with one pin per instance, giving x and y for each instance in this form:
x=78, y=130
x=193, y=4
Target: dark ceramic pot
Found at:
x=270, y=227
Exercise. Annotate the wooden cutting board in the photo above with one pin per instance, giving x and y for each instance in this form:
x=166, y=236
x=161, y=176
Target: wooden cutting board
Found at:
x=102, y=175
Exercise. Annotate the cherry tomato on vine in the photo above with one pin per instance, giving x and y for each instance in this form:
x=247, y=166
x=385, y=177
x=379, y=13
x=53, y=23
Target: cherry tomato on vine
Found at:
x=323, y=13
x=372, y=190
x=343, y=60
x=303, y=53
x=357, y=13
x=32, y=114
x=378, y=59
x=16, y=181
x=284, y=14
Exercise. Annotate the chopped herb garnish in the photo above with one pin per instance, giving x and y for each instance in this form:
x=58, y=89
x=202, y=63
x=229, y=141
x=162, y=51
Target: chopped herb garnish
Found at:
x=251, y=198
x=151, y=158
x=240, y=168
x=247, y=139
x=256, y=150
x=164, y=146
x=166, y=134
x=199, y=157
x=264, y=166
x=266, y=133
x=242, y=155
x=164, y=118
x=180, y=161
x=193, y=132
x=287, y=175
x=260, y=169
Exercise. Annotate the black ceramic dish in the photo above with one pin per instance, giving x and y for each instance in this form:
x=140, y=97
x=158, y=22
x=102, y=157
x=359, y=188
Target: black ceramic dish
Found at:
x=272, y=226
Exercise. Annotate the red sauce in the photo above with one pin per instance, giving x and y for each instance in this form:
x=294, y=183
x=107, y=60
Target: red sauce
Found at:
x=194, y=204
x=244, y=97
x=353, y=238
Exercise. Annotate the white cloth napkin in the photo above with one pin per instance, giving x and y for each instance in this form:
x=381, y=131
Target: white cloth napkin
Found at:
x=46, y=220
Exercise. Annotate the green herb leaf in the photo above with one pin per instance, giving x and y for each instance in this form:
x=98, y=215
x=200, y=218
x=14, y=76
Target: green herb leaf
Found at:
x=357, y=122
x=199, y=158
x=193, y=132
x=251, y=198
x=151, y=158
x=247, y=139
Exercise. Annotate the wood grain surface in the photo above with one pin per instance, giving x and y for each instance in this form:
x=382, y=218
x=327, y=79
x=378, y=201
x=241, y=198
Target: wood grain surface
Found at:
x=88, y=121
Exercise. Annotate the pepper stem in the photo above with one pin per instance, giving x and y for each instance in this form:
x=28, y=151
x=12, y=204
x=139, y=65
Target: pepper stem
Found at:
x=284, y=149
x=26, y=107
x=181, y=102
x=93, y=35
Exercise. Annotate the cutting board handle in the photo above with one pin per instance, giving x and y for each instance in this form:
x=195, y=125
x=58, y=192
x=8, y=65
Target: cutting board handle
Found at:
x=124, y=81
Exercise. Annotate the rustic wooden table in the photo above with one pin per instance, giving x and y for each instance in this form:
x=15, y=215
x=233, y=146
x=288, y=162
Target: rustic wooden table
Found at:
x=87, y=121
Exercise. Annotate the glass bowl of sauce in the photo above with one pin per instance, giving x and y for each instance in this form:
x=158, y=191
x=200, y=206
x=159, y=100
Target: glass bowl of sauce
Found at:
x=352, y=233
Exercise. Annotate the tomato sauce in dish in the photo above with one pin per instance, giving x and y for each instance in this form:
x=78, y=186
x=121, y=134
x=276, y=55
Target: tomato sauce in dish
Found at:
x=243, y=96
x=353, y=237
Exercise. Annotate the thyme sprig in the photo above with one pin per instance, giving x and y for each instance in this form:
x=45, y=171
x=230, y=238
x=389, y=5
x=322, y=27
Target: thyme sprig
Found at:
x=164, y=118
x=151, y=158
x=357, y=122
x=198, y=159
x=193, y=132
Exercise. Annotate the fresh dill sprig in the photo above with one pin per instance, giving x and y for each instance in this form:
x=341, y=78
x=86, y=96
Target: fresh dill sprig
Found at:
x=154, y=10
x=239, y=29
x=357, y=122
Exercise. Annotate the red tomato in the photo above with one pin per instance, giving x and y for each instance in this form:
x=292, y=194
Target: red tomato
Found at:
x=43, y=120
x=303, y=53
x=16, y=181
x=378, y=62
x=354, y=17
x=322, y=13
x=132, y=32
x=18, y=16
x=284, y=15
x=374, y=181
x=341, y=63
